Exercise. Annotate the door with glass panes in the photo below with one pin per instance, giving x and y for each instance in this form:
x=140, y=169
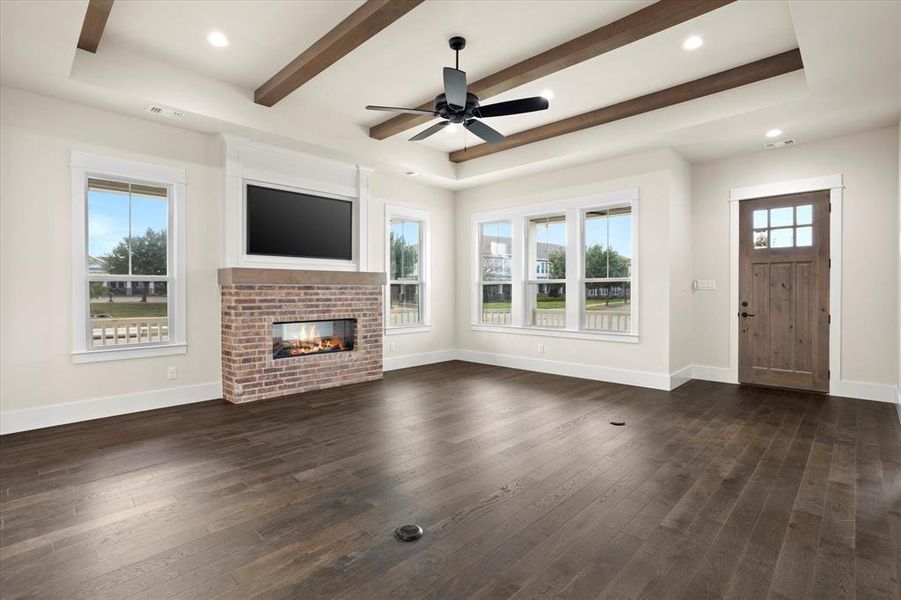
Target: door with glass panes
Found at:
x=783, y=307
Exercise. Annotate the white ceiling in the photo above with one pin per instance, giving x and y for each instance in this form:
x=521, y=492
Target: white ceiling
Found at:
x=156, y=51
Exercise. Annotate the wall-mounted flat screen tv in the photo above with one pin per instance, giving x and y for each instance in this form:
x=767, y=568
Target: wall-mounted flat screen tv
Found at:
x=284, y=223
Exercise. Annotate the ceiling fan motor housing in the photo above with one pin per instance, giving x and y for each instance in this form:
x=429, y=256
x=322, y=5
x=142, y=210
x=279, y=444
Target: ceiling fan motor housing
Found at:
x=451, y=113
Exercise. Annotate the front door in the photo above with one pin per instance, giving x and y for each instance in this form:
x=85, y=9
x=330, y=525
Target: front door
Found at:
x=783, y=291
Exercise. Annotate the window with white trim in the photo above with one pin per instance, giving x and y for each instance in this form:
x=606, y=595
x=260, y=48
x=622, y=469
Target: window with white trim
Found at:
x=407, y=261
x=547, y=271
x=607, y=263
x=570, y=268
x=127, y=271
x=495, y=272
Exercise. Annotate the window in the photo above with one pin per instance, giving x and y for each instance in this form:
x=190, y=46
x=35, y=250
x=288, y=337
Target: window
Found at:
x=128, y=300
x=547, y=271
x=127, y=267
x=566, y=268
x=608, y=269
x=407, y=261
x=495, y=272
x=784, y=227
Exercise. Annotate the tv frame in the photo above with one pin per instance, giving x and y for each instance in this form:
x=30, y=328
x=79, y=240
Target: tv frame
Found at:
x=290, y=261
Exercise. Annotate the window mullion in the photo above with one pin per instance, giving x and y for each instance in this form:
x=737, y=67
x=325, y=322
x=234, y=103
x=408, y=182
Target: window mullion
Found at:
x=574, y=268
x=518, y=266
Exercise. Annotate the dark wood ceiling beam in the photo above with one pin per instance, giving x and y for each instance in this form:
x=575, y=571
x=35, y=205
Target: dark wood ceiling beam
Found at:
x=362, y=24
x=94, y=24
x=631, y=28
x=766, y=68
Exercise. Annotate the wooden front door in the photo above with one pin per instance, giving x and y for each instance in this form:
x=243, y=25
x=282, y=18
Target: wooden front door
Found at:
x=783, y=289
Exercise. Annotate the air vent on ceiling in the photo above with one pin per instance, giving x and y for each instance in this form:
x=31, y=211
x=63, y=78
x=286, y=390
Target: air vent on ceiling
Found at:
x=165, y=112
x=779, y=144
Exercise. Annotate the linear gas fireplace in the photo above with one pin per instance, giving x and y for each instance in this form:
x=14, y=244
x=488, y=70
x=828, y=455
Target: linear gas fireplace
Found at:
x=305, y=338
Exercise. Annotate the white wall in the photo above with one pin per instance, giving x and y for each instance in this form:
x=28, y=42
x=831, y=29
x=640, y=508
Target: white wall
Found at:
x=681, y=217
x=37, y=135
x=644, y=363
x=869, y=164
x=680, y=232
x=427, y=346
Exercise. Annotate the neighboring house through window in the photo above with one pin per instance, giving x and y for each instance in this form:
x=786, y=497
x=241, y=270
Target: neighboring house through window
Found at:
x=495, y=272
x=568, y=267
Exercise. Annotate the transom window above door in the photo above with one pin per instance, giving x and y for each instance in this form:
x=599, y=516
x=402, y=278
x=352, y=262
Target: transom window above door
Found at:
x=783, y=227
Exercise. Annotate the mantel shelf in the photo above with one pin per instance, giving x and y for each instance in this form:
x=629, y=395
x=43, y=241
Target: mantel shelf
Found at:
x=239, y=275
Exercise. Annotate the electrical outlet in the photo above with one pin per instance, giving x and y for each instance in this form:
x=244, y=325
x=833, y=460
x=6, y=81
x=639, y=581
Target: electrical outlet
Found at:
x=704, y=284
x=392, y=347
x=540, y=348
x=171, y=373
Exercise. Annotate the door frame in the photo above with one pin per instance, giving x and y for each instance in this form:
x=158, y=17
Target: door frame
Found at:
x=833, y=183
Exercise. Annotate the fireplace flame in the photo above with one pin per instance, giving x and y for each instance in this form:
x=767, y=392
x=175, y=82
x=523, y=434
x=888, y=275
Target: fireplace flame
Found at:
x=310, y=342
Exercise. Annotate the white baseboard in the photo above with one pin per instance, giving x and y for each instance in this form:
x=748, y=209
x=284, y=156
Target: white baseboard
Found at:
x=85, y=410
x=844, y=388
x=898, y=402
x=681, y=376
x=718, y=374
x=392, y=363
x=879, y=392
x=658, y=381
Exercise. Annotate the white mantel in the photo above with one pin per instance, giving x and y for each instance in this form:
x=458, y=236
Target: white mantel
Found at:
x=247, y=161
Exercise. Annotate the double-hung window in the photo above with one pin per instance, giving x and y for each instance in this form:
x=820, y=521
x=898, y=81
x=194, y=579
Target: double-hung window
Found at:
x=607, y=263
x=565, y=268
x=547, y=271
x=407, y=263
x=128, y=265
x=495, y=280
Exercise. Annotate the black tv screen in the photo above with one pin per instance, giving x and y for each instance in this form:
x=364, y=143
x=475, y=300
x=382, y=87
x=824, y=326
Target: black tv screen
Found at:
x=282, y=223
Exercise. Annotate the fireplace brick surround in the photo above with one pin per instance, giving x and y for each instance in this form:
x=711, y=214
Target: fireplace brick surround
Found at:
x=253, y=299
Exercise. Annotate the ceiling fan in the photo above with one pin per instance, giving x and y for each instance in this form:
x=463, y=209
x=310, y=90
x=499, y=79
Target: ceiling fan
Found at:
x=458, y=105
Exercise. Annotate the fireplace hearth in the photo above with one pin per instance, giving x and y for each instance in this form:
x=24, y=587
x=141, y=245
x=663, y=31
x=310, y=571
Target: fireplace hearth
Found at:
x=308, y=338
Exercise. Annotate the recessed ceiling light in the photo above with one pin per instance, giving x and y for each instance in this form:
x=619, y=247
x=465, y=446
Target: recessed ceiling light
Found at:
x=548, y=94
x=411, y=173
x=217, y=38
x=451, y=128
x=773, y=133
x=693, y=43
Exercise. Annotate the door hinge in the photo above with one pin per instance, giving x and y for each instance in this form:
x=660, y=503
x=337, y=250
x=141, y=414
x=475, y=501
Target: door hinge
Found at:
x=829, y=317
x=830, y=207
x=828, y=374
x=830, y=263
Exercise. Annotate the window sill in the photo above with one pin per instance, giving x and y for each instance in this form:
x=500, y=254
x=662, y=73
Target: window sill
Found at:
x=108, y=354
x=404, y=329
x=600, y=336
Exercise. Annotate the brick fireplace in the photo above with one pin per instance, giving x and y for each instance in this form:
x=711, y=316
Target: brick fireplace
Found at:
x=254, y=301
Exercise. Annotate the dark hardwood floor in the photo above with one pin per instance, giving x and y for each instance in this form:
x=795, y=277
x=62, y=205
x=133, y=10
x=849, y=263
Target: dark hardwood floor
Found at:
x=523, y=488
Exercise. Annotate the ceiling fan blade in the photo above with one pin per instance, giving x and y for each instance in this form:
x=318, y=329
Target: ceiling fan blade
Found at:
x=430, y=131
x=483, y=131
x=512, y=107
x=455, y=87
x=412, y=111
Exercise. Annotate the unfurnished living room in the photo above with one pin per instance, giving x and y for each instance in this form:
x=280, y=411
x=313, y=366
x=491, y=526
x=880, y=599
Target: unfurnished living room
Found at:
x=450, y=299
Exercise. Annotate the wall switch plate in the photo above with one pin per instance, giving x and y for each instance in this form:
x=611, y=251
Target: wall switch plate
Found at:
x=704, y=284
x=540, y=348
x=392, y=347
x=171, y=373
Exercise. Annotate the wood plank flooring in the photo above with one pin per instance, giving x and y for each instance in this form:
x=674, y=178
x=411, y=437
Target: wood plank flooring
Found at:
x=523, y=488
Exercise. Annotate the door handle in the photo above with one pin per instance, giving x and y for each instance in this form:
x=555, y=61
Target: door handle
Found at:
x=745, y=315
